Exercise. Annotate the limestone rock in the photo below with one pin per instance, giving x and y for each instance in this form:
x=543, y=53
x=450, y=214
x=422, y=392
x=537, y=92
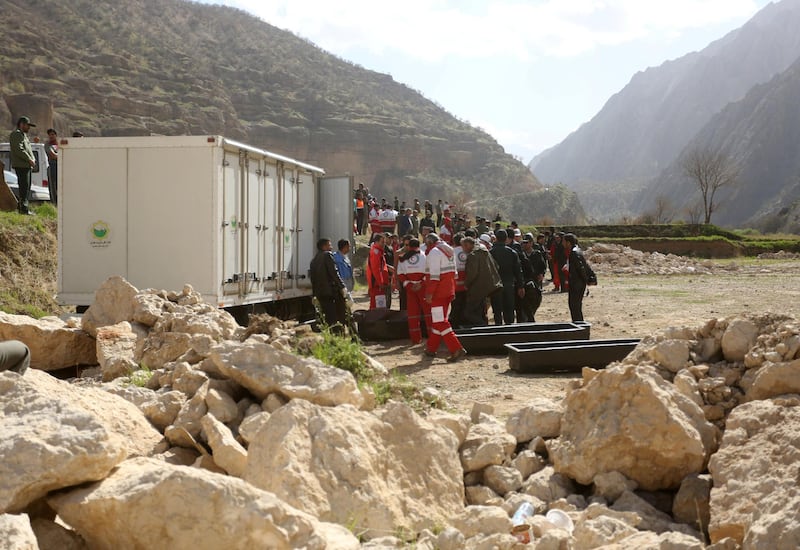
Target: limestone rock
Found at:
x=480, y=409
x=486, y=444
x=755, y=491
x=227, y=452
x=113, y=303
x=205, y=510
x=502, y=479
x=554, y=539
x=16, y=532
x=686, y=383
x=774, y=379
x=611, y=485
x=673, y=355
x=691, y=504
x=528, y=462
x=541, y=417
x=52, y=536
x=53, y=344
x=548, y=485
x=148, y=308
x=273, y=402
x=345, y=465
x=250, y=425
x=116, y=350
x=187, y=424
x=222, y=406
x=480, y=495
x=187, y=379
x=738, y=338
x=264, y=370
x=163, y=408
x=652, y=518
x=117, y=414
x=600, y=531
x=649, y=540
x=456, y=423
x=627, y=418
x=48, y=443
x=482, y=520
x=161, y=348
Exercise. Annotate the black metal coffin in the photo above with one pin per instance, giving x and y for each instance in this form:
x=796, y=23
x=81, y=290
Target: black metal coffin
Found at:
x=491, y=340
x=567, y=356
x=381, y=324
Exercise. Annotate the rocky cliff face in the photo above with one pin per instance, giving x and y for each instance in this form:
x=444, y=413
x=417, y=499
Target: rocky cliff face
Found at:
x=645, y=127
x=174, y=67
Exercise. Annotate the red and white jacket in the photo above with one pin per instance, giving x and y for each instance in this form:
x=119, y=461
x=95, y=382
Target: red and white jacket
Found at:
x=441, y=272
x=412, y=269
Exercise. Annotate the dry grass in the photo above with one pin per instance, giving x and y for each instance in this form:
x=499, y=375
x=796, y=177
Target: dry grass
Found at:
x=29, y=263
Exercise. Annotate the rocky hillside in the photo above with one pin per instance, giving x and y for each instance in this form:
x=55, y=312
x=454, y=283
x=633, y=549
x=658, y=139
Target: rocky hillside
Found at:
x=642, y=129
x=176, y=67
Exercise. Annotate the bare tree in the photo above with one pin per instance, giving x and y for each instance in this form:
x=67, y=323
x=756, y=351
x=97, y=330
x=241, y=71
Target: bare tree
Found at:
x=710, y=171
x=663, y=211
x=694, y=213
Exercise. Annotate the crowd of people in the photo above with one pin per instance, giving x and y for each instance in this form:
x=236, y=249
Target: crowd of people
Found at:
x=448, y=273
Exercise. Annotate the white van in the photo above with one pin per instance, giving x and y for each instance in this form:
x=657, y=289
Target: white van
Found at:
x=39, y=185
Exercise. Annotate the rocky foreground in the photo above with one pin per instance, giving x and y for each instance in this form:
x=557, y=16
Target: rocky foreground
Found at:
x=236, y=442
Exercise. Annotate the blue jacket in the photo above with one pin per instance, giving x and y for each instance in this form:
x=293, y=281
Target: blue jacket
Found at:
x=345, y=269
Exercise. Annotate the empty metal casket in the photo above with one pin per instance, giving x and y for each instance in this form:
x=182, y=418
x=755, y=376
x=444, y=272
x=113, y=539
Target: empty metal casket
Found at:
x=490, y=340
x=567, y=356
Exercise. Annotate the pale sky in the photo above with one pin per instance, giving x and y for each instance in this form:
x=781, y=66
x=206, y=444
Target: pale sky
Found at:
x=529, y=72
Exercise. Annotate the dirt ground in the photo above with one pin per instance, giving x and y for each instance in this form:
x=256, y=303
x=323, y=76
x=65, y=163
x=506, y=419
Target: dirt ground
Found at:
x=622, y=306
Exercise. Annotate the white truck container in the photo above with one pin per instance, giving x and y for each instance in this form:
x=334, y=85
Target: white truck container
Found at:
x=237, y=223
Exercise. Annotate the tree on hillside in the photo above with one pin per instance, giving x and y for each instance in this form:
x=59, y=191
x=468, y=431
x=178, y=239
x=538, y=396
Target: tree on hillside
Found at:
x=710, y=171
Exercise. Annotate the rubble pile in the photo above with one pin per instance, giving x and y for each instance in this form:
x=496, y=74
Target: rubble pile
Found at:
x=780, y=255
x=234, y=442
x=618, y=259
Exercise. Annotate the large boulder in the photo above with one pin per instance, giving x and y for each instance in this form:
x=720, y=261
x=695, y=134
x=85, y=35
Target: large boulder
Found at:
x=117, y=414
x=739, y=337
x=628, y=419
x=263, y=370
x=54, y=344
x=755, y=497
x=147, y=503
x=773, y=379
x=379, y=472
x=48, y=443
x=113, y=303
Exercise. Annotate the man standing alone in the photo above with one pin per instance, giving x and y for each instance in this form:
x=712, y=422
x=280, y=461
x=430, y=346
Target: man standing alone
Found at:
x=327, y=286
x=22, y=160
x=51, y=148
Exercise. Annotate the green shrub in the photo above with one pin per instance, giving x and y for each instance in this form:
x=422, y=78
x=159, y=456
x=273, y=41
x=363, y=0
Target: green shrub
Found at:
x=342, y=352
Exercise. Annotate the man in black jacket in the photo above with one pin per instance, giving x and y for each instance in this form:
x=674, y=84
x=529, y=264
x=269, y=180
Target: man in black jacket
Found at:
x=328, y=287
x=578, y=276
x=534, y=266
x=511, y=275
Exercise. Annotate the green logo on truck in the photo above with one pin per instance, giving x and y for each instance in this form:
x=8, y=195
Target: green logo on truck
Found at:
x=99, y=234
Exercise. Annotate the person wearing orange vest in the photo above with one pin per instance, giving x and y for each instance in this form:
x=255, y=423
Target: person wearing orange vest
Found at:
x=439, y=292
x=411, y=272
x=377, y=272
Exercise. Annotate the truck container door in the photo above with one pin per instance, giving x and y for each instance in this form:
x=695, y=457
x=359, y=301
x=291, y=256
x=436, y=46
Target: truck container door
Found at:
x=289, y=224
x=336, y=209
x=267, y=232
x=231, y=231
x=306, y=227
x=251, y=173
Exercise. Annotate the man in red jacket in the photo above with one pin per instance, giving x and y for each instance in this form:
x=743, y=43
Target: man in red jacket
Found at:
x=439, y=292
x=377, y=273
x=411, y=272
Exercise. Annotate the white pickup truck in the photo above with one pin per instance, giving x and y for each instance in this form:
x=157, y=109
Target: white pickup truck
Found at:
x=39, y=185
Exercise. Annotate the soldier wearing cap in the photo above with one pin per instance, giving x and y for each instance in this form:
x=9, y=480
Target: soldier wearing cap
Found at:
x=22, y=160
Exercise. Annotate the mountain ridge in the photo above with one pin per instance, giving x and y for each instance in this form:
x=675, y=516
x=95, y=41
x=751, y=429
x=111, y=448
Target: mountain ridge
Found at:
x=175, y=67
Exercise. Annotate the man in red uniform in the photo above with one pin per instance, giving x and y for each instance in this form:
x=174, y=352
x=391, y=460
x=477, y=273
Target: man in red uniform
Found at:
x=439, y=292
x=411, y=272
x=377, y=273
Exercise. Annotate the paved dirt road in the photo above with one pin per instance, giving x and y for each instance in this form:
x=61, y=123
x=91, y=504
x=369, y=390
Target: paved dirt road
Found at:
x=631, y=306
